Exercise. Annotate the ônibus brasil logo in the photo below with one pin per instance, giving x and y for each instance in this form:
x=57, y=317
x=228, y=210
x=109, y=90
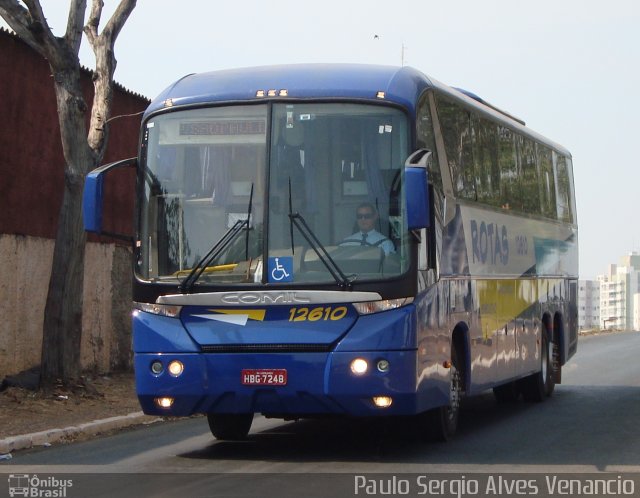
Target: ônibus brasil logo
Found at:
x=34, y=486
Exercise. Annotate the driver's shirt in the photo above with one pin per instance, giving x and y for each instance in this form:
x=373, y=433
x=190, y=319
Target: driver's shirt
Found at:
x=372, y=238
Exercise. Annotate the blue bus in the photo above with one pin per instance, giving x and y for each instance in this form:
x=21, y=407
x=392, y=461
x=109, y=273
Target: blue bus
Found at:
x=349, y=240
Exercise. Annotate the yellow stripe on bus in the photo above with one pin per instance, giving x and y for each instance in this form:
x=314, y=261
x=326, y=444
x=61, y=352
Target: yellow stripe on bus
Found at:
x=502, y=301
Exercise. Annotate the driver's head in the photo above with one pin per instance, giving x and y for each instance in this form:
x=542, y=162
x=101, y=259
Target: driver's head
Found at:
x=366, y=216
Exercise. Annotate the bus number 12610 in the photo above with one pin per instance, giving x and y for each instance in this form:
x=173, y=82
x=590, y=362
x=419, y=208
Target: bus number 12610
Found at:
x=316, y=314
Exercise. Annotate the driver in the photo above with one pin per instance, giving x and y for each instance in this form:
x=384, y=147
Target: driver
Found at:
x=367, y=235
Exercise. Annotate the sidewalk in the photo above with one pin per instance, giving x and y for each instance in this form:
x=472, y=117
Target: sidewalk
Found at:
x=95, y=405
x=50, y=436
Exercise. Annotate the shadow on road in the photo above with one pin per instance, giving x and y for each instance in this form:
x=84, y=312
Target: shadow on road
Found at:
x=579, y=425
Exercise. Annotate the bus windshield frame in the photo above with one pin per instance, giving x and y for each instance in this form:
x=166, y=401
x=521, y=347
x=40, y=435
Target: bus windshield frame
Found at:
x=279, y=193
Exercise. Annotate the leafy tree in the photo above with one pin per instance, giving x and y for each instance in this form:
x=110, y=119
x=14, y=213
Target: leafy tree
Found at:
x=83, y=150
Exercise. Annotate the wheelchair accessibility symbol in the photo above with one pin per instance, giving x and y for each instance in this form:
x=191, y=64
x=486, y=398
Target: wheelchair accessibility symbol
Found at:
x=281, y=269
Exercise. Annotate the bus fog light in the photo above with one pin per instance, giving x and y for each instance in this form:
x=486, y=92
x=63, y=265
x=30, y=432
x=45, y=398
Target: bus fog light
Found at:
x=359, y=366
x=164, y=402
x=383, y=366
x=176, y=368
x=156, y=367
x=382, y=401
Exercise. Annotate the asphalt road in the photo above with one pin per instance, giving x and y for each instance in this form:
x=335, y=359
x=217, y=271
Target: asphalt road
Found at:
x=590, y=424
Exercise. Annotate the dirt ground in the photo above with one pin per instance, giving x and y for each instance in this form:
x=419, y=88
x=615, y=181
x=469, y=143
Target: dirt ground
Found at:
x=23, y=411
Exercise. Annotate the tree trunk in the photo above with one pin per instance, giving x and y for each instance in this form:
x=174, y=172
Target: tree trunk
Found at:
x=63, y=311
x=62, y=330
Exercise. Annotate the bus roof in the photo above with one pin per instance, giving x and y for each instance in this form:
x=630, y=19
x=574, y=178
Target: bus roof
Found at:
x=401, y=85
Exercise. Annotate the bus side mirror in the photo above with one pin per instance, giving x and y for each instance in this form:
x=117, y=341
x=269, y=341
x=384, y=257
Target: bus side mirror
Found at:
x=92, y=196
x=416, y=189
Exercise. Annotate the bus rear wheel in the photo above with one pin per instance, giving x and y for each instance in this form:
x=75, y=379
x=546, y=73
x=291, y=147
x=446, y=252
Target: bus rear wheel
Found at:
x=538, y=386
x=230, y=426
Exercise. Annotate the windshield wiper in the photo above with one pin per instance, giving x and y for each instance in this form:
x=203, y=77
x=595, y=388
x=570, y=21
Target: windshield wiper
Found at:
x=300, y=223
x=229, y=236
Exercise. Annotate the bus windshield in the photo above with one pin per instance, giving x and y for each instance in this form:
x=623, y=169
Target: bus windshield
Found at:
x=274, y=194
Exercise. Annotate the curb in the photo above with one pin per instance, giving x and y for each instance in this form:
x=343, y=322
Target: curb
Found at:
x=45, y=438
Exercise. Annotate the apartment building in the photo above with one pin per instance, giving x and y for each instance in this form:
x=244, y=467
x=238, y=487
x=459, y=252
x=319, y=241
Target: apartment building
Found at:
x=618, y=290
x=588, y=304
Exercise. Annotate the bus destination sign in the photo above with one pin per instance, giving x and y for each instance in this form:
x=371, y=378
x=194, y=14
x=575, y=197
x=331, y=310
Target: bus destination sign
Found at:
x=223, y=128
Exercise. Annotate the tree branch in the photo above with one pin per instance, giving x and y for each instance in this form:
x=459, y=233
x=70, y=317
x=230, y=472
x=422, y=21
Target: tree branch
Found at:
x=30, y=24
x=113, y=26
x=103, y=48
x=91, y=28
x=119, y=17
x=74, y=24
x=35, y=10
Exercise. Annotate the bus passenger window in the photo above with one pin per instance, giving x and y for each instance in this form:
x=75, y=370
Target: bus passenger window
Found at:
x=546, y=182
x=485, y=154
x=456, y=133
x=508, y=168
x=528, y=178
x=563, y=186
x=426, y=140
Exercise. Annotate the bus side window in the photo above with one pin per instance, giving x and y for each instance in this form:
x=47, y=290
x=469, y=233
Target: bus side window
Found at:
x=485, y=154
x=431, y=237
x=528, y=178
x=546, y=182
x=508, y=168
x=455, y=123
x=563, y=187
x=426, y=140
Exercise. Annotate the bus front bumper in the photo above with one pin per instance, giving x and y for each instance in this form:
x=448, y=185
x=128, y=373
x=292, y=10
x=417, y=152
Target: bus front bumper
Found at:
x=279, y=384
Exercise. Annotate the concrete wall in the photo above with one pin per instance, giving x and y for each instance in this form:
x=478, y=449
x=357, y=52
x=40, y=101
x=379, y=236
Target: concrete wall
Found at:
x=26, y=268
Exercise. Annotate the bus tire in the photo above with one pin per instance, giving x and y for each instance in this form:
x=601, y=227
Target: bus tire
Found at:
x=441, y=423
x=230, y=426
x=538, y=386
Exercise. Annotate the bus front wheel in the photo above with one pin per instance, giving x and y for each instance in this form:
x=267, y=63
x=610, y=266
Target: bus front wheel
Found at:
x=440, y=424
x=230, y=426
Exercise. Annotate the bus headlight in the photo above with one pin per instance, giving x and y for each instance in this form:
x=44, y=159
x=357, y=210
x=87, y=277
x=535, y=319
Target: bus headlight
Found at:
x=158, y=309
x=369, y=307
x=359, y=366
x=176, y=368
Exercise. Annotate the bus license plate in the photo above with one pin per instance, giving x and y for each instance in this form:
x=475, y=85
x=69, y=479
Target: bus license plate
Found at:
x=264, y=377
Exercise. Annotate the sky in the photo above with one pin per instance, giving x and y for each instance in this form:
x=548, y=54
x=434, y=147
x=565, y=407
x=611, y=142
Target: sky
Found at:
x=569, y=68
